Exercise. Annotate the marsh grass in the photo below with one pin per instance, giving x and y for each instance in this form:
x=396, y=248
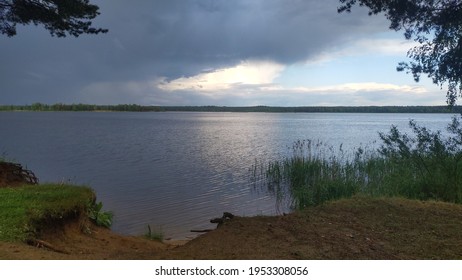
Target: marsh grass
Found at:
x=24, y=211
x=312, y=175
x=424, y=166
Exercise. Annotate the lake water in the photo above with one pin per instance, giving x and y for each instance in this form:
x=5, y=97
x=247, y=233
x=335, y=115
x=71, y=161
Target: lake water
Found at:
x=176, y=171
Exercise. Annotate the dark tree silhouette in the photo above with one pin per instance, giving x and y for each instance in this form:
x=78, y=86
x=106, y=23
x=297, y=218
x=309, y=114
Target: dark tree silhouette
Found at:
x=436, y=25
x=59, y=17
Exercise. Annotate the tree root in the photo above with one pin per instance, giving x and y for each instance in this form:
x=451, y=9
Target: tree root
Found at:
x=12, y=174
x=219, y=221
x=43, y=244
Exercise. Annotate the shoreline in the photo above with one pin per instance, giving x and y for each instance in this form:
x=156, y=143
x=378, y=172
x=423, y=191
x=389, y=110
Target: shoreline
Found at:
x=356, y=228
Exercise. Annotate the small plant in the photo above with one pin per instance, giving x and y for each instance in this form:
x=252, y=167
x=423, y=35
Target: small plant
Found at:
x=99, y=217
x=157, y=235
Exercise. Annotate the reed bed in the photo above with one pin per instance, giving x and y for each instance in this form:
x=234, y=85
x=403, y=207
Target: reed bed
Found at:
x=423, y=166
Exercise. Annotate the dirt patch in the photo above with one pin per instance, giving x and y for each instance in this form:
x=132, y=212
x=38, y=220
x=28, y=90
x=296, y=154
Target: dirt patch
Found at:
x=358, y=228
x=71, y=243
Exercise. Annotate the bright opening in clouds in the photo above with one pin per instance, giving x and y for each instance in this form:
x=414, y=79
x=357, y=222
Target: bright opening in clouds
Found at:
x=227, y=53
x=245, y=73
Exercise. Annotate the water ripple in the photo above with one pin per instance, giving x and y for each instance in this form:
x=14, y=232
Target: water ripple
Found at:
x=175, y=171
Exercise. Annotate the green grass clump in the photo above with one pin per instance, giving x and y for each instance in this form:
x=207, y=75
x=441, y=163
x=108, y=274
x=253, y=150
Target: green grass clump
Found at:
x=154, y=235
x=25, y=210
x=426, y=165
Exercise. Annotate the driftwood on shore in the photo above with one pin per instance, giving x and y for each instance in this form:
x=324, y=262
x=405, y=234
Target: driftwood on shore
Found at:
x=201, y=230
x=219, y=221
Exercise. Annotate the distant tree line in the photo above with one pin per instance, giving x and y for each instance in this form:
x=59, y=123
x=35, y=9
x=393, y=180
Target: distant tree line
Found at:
x=264, y=109
x=319, y=109
x=80, y=107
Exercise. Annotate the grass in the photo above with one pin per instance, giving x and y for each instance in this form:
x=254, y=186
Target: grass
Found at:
x=24, y=211
x=154, y=235
x=314, y=174
x=424, y=166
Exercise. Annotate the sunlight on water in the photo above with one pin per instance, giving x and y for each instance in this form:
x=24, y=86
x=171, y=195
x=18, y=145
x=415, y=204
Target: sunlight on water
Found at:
x=176, y=171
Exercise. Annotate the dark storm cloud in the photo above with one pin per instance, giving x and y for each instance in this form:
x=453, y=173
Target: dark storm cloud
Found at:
x=169, y=38
x=223, y=31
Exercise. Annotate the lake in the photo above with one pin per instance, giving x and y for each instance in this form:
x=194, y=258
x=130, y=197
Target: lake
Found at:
x=176, y=170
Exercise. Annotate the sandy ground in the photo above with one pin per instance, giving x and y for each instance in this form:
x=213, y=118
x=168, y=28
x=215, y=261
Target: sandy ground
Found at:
x=359, y=228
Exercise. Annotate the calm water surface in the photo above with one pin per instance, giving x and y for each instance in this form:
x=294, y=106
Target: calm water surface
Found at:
x=175, y=171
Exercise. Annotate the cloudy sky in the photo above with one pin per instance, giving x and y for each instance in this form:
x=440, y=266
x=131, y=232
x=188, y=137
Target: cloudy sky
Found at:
x=216, y=52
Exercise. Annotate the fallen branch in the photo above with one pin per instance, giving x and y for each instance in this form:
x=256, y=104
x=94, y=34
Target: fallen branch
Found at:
x=43, y=244
x=201, y=230
x=219, y=221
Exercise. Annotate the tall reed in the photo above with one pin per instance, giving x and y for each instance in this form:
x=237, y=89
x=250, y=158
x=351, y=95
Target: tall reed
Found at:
x=312, y=175
x=423, y=166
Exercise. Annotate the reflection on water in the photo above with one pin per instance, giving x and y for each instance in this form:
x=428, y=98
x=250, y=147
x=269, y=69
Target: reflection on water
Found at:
x=175, y=171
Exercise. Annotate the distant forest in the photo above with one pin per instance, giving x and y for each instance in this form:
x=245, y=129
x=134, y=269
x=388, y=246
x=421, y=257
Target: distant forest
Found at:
x=264, y=109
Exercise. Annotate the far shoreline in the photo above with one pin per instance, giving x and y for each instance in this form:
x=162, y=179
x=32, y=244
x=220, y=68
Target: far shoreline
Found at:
x=59, y=107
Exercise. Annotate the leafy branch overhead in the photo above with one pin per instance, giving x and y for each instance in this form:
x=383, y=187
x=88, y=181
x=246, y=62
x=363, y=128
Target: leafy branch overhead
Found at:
x=437, y=26
x=59, y=17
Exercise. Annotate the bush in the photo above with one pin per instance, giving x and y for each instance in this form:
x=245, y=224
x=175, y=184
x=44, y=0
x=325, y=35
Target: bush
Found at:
x=433, y=162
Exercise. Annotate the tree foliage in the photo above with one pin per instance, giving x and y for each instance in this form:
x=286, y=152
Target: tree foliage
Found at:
x=59, y=17
x=436, y=25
